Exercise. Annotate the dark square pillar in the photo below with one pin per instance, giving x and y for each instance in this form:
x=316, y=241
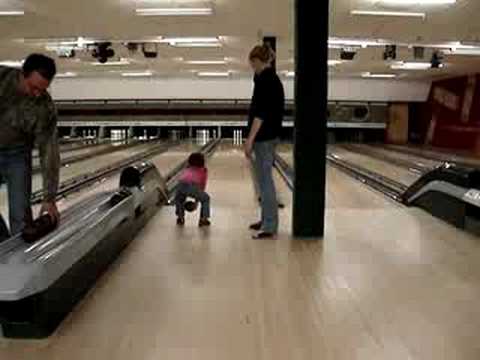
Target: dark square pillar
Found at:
x=311, y=75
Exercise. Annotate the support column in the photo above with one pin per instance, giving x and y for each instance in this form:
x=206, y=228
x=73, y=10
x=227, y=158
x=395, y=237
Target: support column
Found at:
x=101, y=132
x=73, y=131
x=219, y=132
x=311, y=91
x=130, y=132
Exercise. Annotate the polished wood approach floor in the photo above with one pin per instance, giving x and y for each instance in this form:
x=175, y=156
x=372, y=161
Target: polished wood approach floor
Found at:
x=387, y=282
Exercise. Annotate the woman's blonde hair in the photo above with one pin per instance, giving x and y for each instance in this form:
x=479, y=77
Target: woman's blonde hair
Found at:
x=264, y=53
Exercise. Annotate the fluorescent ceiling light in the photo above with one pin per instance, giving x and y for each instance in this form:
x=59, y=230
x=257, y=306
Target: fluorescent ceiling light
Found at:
x=206, y=62
x=197, y=45
x=389, y=13
x=378, y=76
x=334, y=62
x=113, y=63
x=213, y=74
x=411, y=65
x=137, y=74
x=12, y=13
x=181, y=40
x=67, y=74
x=12, y=63
x=289, y=73
x=193, y=41
x=417, y=2
x=463, y=51
x=344, y=42
x=174, y=11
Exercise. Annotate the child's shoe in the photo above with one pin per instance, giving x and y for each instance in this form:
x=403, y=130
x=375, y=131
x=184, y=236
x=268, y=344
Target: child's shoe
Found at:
x=204, y=222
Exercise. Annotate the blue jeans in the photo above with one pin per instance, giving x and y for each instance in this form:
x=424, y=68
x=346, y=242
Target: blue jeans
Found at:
x=264, y=156
x=185, y=190
x=16, y=173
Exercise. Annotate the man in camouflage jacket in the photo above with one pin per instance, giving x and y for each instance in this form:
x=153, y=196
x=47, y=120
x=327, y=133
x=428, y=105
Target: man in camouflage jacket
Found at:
x=27, y=117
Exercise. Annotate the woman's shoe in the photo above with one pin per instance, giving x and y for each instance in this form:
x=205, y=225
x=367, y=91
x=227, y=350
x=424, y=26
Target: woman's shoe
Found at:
x=180, y=221
x=204, y=222
x=264, y=235
x=257, y=226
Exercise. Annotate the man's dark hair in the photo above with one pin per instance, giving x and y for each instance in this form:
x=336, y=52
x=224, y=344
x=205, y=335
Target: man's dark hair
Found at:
x=42, y=64
x=196, y=160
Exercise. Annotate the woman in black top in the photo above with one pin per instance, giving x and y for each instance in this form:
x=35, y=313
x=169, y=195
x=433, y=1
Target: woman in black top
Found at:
x=265, y=123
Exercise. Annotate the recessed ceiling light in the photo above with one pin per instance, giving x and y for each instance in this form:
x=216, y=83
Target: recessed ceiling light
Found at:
x=411, y=65
x=206, y=62
x=12, y=13
x=378, y=76
x=196, y=45
x=417, y=2
x=12, y=63
x=137, y=74
x=389, y=13
x=463, y=51
x=174, y=11
x=214, y=74
x=334, y=62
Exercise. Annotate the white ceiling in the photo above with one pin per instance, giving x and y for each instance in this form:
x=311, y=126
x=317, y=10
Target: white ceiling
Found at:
x=241, y=23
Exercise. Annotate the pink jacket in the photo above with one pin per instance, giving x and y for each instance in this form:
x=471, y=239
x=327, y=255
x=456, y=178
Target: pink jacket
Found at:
x=195, y=175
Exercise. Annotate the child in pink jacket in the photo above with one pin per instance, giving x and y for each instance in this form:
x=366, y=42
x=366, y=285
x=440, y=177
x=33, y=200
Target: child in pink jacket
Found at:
x=192, y=183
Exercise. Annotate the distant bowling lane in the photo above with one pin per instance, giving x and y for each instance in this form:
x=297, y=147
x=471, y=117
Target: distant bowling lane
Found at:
x=76, y=169
x=343, y=192
x=92, y=164
x=384, y=168
x=401, y=156
x=164, y=162
x=67, y=153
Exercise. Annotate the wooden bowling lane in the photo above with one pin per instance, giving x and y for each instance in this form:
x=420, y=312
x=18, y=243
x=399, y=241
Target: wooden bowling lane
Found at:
x=92, y=164
x=76, y=169
x=384, y=168
x=67, y=153
x=164, y=162
x=452, y=155
x=415, y=159
x=384, y=283
x=357, y=196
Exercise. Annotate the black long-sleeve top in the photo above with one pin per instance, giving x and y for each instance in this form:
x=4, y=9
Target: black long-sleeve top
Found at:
x=268, y=103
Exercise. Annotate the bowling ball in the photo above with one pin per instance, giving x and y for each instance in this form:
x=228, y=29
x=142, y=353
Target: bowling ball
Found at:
x=42, y=226
x=190, y=206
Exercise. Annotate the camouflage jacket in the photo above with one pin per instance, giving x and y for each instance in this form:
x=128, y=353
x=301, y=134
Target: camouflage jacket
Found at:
x=25, y=121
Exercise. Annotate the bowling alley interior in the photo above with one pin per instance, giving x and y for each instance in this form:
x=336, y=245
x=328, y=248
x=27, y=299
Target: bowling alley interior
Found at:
x=227, y=179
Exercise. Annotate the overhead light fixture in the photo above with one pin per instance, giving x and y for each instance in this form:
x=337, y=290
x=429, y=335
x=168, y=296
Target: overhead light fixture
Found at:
x=206, y=62
x=12, y=13
x=137, y=74
x=378, y=76
x=466, y=52
x=345, y=42
x=12, y=63
x=214, y=74
x=67, y=74
x=193, y=41
x=289, y=73
x=113, y=63
x=197, y=45
x=417, y=2
x=180, y=11
x=411, y=65
x=389, y=13
x=334, y=62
